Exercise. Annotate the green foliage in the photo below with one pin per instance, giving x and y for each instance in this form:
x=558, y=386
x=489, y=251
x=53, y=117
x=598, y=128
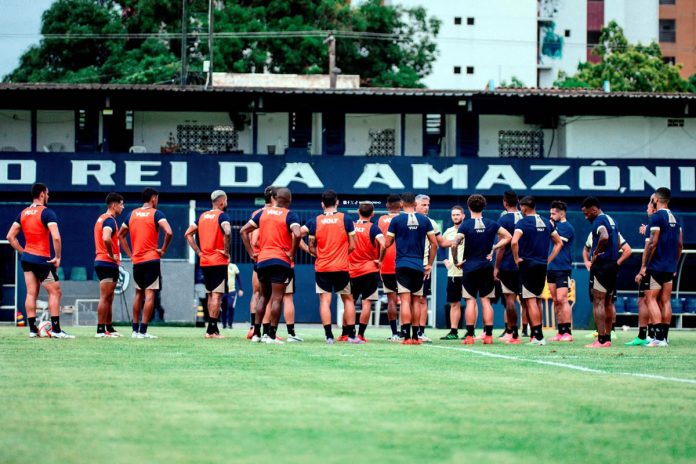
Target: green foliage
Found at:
x=515, y=83
x=399, y=63
x=627, y=67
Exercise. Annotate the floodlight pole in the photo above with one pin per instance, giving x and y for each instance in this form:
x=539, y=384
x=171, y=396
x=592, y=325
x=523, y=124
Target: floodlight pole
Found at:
x=184, y=39
x=211, y=20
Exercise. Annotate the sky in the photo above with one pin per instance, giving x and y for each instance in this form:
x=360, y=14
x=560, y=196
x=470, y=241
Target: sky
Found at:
x=20, y=23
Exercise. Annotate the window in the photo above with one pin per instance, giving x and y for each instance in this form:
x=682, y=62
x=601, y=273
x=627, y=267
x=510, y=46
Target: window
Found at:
x=668, y=2
x=669, y=60
x=668, y=30
x=470, y=21
x=457, y=70
x=470, y=70
x=457, y=20
x=567, y=32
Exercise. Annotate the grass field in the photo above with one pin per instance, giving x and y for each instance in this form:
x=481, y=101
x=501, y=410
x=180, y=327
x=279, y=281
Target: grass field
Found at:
x=185, y=399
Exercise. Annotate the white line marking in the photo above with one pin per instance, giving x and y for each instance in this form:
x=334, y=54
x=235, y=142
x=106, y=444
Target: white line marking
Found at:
x=565, y=365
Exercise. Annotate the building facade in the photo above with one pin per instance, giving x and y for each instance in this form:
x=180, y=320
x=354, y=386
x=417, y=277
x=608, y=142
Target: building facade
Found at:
x=678, y=34
x=530, y=40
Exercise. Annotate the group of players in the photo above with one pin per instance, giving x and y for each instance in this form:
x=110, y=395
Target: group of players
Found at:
x=521, y=250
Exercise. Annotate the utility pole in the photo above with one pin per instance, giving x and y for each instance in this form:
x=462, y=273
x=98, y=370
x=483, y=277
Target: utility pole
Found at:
x=211, y=20
x=331, y=40
x=184, y=40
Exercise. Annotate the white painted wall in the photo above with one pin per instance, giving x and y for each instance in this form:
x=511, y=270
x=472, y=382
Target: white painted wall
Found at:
x=151, y=129
x=55, y=127
x=638, y=18
x=501, y=43
x=359, y=125
x=273, y=130
x=413, y=140
x=490, y=125
x=629, y=137
x=15, y=129
x=570, y=15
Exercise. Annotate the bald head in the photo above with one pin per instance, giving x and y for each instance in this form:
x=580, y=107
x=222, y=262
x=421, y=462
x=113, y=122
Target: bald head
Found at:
x=283, y=197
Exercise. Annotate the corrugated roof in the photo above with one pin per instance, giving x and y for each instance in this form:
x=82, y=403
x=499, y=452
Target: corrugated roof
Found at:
x=364, y=91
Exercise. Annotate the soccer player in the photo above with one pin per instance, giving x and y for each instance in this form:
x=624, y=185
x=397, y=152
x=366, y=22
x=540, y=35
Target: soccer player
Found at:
x=423, y=207
x=269, y=195
x=332, y=239
x=214, y=232
x=106, y=263
x=278, y=238
x=559, y=271
x=530, y=247
x=624, y=252
x=662, y=253
x=454, y=274
x=143, y=225
x=478, y=235
x=39, y=225
x=409, y=231
x=646, y=326
x=388, y=266
x=229, y=299
x=364, y=263
x=603, y=269
x=506, y=270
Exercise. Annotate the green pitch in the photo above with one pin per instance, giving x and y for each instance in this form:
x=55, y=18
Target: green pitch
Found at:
x=185, y=399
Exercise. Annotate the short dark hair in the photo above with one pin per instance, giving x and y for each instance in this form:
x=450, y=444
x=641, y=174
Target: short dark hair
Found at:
x=663, y=194
x=393, y=198
x=113, y=197
x=366, y=209
x=148, y=193
x=408, y=198
x=269, y=193
x=476, y=202
x=328, y=198
x=589, y=202
x=459, y=207
x=558, y=204
x=510, y=198
x=528, y=201
x=37, y=189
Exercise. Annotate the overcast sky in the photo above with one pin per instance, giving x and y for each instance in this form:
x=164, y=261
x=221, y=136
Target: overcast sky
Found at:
x=20, y=23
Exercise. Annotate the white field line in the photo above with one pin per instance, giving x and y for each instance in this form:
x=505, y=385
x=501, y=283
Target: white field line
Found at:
x=564, y=365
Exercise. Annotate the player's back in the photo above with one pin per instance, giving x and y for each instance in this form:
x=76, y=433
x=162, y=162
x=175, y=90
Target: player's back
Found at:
x=536, y=236
x=275, y=237
x=362, y=259
x=665, y=256
x=331, y=234
x=34, y=221
x=211, y=238
x=143, y=228
x=479, y=236
x=409, y=231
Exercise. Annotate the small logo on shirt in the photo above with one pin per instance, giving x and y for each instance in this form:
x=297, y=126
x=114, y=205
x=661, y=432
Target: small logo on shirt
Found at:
x=540, y=226
x=479, y=226
x=142, y=214
x=31, y=212
x=360, y=230
x=208, y=216
x=329, y=221
x=274, y=212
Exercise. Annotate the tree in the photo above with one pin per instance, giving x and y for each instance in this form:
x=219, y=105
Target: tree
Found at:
x=381, y=60
x=627, y=67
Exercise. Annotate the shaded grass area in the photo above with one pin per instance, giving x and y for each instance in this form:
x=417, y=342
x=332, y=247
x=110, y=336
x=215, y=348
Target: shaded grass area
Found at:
x=181, y=398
